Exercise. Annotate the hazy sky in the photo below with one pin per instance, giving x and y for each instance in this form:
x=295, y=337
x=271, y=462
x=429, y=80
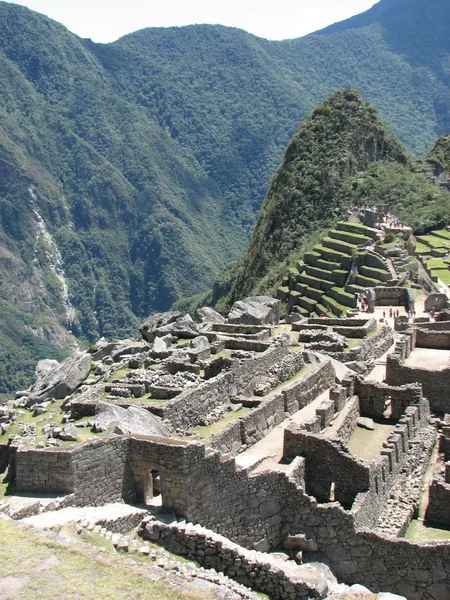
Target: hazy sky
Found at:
x=107, y=20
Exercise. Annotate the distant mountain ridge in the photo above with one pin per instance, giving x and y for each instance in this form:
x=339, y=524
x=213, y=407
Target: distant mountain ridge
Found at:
x=147, y=160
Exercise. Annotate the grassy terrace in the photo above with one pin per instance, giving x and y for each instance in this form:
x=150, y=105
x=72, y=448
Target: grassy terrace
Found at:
x=205, y=432
x=53, y=414
x=438, y=243
x=418, y=531
x=367, y=444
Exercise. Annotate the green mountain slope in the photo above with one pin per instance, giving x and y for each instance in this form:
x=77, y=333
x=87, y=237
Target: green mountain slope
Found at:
x=342, y=155
x=132, y=172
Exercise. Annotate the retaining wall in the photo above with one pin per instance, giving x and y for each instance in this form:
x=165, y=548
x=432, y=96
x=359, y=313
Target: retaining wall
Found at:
x=435, y=384
x=256, y=569
x=260, y=421
x=253, y=508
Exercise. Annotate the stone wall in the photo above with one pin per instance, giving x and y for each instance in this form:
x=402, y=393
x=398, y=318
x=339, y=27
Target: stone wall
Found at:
x=439, y=495
x=369, y=348
x=345, y=423
x=435, y=384
x=50, y=471
x=260, y=421
x=375, y=397
x=192, y=406
x=253, y=569
x=394, y=296
x=327, y=462
x=429, y=338
x=4, y=457
x=253, y=508
x=396, y=458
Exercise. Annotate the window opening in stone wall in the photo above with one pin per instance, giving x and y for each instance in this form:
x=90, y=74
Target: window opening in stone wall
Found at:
x=387, y=407
x=332, y=491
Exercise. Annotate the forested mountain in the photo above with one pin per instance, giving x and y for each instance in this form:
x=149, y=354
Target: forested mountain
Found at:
x=341, y=156
x=132, y=172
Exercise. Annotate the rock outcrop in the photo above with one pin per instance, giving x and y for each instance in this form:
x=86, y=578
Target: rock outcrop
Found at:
x=132, y=420
x=258, y=310
x=58, y=380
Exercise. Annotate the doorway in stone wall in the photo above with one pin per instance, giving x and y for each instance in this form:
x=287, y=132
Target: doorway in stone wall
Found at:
x=148, y=488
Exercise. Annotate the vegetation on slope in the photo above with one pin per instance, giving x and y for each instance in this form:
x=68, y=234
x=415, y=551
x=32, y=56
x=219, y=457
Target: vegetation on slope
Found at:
x=149, y=158
x=35, y=566
x=341, y=138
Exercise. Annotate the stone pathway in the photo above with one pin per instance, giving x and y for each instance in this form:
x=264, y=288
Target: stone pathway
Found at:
x=109, y=513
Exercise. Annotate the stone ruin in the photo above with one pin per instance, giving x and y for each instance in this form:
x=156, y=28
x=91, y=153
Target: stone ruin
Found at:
x=276, y=518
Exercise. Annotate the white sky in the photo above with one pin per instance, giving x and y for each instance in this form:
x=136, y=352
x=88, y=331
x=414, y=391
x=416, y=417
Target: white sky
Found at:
x=107, y=20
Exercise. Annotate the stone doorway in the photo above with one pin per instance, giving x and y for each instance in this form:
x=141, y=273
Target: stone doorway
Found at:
x=148, y=488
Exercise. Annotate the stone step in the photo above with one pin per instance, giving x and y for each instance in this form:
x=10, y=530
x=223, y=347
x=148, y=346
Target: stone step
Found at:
x=339, y=246
x=314, y=282
x=350, y=238
x=331, y=255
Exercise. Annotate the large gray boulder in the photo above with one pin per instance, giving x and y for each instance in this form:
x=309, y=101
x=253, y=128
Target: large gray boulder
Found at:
x=435, y=302
x=257, y=310
x=209, y=315
x=61, y=380
x=133, y=420
x=170, y=323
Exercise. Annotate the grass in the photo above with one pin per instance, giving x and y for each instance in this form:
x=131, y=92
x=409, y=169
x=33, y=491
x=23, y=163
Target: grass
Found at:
x=433, y=241
x=367, y=444
x=205, y=432
x=120, y=374
x=442, y=233
x=55, y=409
x=418, y=531
x=41, y=568
x=443, y=274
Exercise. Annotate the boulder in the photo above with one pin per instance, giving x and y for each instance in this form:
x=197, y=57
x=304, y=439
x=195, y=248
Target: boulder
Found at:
x=69, y=433
x=43, y=370
x=299, y=537
x=131, y=420
x=62, y=379
x=365, y=423
x=103, y=349
x=209, y=315
x=171, y=323
x=128, y=349
x=154, y=322
x=257, y=310
x=200, y=342
x=358, y=366
x=159, y=349
x=435, y=302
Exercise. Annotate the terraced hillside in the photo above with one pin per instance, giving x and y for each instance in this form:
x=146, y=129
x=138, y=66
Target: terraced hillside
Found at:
x=432, y=250
x=342, y=265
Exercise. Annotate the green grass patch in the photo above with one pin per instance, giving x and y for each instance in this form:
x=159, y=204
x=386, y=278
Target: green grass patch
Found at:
x=443, y=274
x=418, y=531
x=433, y=241
x=120, y=374
x=442, y=234
x=47, y=570
x=205, y=432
